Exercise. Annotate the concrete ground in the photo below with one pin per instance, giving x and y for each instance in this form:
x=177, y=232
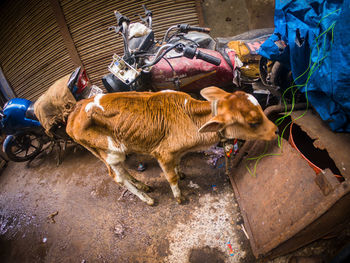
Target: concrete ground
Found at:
x=76, y=213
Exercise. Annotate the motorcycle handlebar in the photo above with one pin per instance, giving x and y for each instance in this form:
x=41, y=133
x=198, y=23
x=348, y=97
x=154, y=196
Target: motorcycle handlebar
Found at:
x=191, y=52
x=120, y=18
x=147, y=12
x=188, y=52
x=184, y=28
x=208, y=58
x=199, y=29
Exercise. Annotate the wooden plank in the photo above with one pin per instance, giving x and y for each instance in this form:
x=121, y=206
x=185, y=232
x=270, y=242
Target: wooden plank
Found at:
x=67, y=38
x=5, y=87
x=200, y=13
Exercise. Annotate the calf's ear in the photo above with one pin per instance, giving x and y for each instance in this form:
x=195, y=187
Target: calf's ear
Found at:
x=213, y=93
x=215, y=124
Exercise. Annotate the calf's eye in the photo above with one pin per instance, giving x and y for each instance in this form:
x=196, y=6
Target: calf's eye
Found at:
x=253, y=124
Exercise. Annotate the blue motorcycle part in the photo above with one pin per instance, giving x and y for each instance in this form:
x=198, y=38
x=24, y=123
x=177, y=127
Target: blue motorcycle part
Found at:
x=7, y=141
x=15, y=116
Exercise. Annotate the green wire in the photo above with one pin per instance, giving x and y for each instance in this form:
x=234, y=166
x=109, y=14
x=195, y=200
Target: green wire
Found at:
x=258, y=158
x=293, y=89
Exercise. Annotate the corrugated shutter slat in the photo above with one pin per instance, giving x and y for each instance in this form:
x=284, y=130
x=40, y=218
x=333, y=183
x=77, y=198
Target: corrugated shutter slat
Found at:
x=88, y=22
x=32, y=52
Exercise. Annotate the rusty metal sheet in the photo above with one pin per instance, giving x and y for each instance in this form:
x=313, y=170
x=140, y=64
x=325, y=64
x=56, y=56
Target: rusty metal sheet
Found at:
x=336, y=144
x=282, y=200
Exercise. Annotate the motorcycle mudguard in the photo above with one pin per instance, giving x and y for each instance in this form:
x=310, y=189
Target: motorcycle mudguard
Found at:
x=6, y=142
x=113, y=84
x=15, y=116
x=72, y=81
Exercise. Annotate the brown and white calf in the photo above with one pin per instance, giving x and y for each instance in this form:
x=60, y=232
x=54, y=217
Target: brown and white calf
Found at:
x=165, y=125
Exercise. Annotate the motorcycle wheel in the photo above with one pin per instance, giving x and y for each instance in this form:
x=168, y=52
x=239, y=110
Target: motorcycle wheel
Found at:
x=24, y=147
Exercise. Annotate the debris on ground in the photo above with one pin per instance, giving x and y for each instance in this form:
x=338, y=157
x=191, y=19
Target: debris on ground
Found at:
x=213, y=187
x=141, y=167
x=214, y=153
x=44, y=240
x=122, y=195
x=230, y=248
x=119, y=230
x=244, y=231
x=51, y=217
x=193, y=185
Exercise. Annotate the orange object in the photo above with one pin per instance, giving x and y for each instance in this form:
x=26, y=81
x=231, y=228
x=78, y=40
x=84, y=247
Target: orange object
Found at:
x=291, y=141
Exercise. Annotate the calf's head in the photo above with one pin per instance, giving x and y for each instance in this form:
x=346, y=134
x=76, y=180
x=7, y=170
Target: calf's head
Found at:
x=237, y=115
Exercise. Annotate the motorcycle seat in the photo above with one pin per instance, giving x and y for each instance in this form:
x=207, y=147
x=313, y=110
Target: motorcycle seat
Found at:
x=259, y=35
x=252, y=35
x=30, y=112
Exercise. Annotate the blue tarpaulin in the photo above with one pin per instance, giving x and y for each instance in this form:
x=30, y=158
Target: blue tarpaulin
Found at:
x=312, y=37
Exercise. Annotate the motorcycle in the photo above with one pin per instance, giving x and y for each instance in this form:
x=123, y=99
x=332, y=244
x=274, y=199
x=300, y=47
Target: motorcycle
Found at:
x=189, y=59
x=26, y=138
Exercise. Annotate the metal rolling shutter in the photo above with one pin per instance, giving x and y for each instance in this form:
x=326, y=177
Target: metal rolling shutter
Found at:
x=32, y=52
x=88, y=22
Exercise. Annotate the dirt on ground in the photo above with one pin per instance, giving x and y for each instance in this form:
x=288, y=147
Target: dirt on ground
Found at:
x=76, y=213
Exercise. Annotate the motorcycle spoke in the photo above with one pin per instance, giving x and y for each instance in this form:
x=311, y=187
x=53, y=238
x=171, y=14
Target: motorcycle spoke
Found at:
x=35, y=147
x=18, y=151
x=26, y=151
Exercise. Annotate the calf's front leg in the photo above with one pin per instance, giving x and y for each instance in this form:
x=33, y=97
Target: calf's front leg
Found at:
x=169, y=169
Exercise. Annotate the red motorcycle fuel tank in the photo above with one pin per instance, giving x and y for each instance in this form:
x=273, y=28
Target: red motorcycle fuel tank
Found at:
x=192, y=75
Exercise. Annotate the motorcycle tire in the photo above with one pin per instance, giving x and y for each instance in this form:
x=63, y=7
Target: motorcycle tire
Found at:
x=24, y=147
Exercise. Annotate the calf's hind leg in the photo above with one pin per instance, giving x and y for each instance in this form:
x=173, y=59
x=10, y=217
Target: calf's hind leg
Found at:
x=114, y=158
x=122, y=177
x=114, y=161
x=139, y=185
x=110, y=152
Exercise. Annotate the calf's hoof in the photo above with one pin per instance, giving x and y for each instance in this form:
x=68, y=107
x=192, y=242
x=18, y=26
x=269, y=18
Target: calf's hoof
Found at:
x=150, y=202
x=180, y=200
